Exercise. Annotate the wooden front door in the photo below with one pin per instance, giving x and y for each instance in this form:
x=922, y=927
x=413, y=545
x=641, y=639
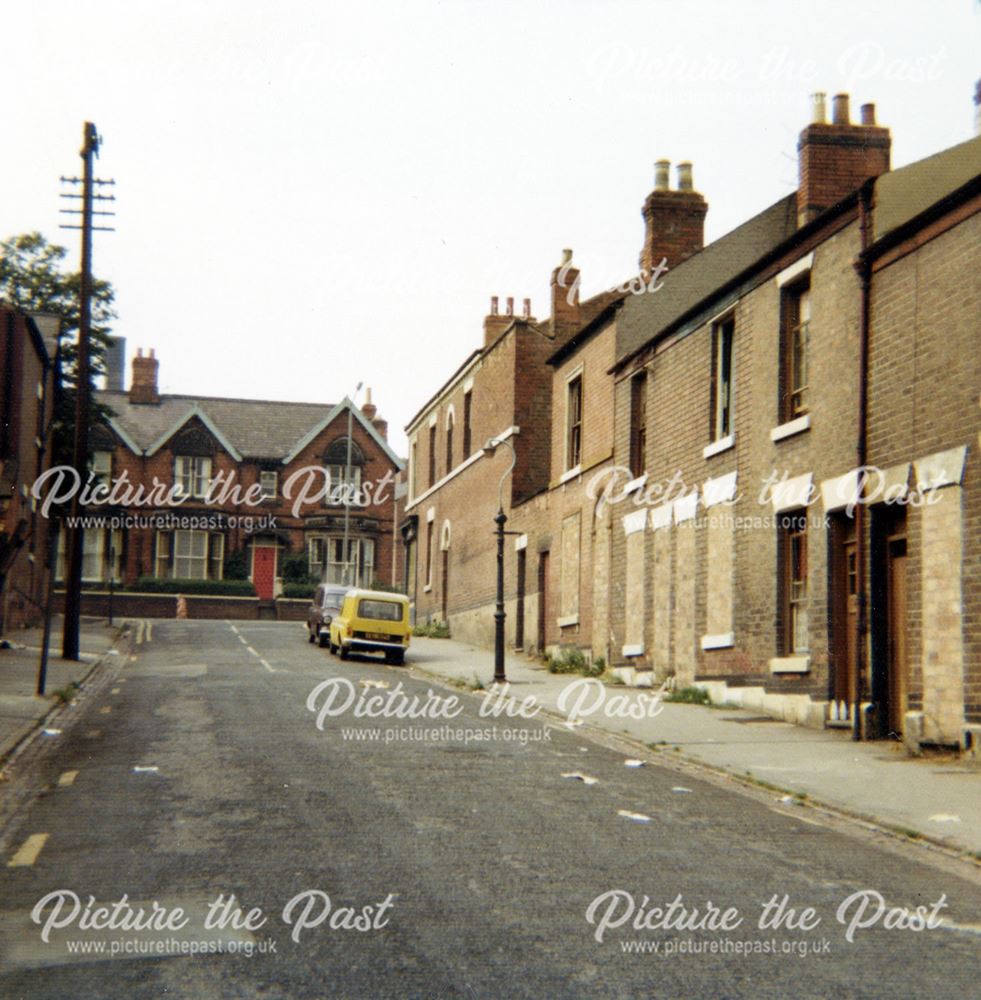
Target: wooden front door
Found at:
x=542, y=599
x=845, y=611
x=264, y=571
x=896, y=632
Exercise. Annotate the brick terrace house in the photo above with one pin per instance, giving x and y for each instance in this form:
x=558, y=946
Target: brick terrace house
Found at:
x=27, y=350
x=503, y=392
x=771, y=371
x=213, y=451
x=728, y=412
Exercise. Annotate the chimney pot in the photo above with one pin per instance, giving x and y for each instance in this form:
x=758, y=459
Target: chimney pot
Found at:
x=527, y=309
x=868, y=114
x=510, y=305
x=493, y=309
x=819, y=110
x=661, y=168
x=566, y=257
x=684, y=177
x=839, y=110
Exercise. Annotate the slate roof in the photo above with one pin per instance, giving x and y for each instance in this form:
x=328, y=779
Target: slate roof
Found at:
x=903, y=194
x=900, y=196
x=694, y=279
x=256, y=428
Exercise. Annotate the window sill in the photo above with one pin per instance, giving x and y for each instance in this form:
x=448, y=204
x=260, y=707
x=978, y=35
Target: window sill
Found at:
x=634, y=649
x=724, y=640
x=791, y=428
x=571, y=474
x=800, y=664
x=718, y=447
x=568, y=620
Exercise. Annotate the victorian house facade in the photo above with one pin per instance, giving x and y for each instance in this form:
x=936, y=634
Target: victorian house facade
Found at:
x=199, y=479
x=691, y=506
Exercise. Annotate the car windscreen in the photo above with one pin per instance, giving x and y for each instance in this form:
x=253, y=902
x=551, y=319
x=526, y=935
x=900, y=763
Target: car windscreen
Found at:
x=334, y=599
x=386, y=611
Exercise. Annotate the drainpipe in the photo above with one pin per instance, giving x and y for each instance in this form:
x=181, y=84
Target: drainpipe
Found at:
x=864, y=269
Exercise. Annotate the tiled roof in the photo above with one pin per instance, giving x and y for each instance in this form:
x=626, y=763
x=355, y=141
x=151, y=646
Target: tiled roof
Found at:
x=902, y=194
x=256, y=428
x=644, y=316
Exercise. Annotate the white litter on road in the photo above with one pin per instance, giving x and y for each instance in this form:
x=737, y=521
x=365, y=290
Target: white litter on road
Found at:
x=374, y=684
x=52, y=732
x=570, y=723
x=633, y=763
x=141, y=770
x=944, y=818
x=579, y=776
x=636, y=817
x=680, y=788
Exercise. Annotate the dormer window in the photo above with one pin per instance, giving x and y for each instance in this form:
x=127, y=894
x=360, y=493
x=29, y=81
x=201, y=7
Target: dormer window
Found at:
x=344, y=464
x=192, y=475
x=268, y=484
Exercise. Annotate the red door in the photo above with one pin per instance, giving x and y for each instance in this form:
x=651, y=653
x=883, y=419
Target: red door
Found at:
x=264, y=570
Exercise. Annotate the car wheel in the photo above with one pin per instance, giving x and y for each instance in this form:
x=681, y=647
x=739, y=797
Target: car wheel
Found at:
x=324, y=640
x=400, y=658
x=345, y=652
x=309, y=634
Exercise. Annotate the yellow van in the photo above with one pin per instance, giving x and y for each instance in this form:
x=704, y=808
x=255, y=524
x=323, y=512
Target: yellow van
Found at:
x=371, y=621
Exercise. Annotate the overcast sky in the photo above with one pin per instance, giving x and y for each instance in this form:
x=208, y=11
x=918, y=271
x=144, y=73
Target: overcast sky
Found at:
x=316, y=194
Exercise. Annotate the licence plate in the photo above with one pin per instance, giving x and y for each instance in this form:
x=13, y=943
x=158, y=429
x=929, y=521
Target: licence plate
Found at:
x=377, y=636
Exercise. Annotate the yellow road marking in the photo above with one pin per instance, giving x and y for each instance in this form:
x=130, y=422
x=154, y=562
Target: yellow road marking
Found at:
x=29, y=851
x=149, y=631
x=105, y=710
x=68, y=777
x=114, y=691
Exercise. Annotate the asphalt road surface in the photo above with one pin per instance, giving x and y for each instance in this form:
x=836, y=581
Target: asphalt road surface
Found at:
x=385, y=857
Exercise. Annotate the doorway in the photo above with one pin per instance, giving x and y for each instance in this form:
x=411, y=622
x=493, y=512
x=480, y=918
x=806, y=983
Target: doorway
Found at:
x=264, y=571
x=542, y=598
x=519, y=611
x=890, y=666
x=844, y=619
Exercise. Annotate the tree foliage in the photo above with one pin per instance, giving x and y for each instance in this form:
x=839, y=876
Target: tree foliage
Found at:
x=33, y=278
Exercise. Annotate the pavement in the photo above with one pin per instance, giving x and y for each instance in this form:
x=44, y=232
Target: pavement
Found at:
x=936, y=797
x=22, y=710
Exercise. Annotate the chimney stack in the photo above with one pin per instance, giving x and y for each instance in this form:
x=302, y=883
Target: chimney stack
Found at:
x=143, y=389
x=674, y=221
x=115, y=363
x=834, y=159
x=368, y=408
x=494, y=322
x=565, y=297
x=526, y=310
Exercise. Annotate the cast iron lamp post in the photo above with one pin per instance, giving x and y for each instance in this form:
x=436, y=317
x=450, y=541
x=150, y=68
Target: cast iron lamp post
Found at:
x=500, y=520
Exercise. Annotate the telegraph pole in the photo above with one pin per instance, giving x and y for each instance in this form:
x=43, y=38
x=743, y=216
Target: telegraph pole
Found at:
x=74, y=532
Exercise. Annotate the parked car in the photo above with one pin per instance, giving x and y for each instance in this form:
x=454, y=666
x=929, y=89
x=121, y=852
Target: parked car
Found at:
x=372, y=621
x=324, y=607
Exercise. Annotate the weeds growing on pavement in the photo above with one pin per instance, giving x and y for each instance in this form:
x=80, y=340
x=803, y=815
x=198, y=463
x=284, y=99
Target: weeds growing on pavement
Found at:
x=689, y=696
x=432, y=630
x=572, y=660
